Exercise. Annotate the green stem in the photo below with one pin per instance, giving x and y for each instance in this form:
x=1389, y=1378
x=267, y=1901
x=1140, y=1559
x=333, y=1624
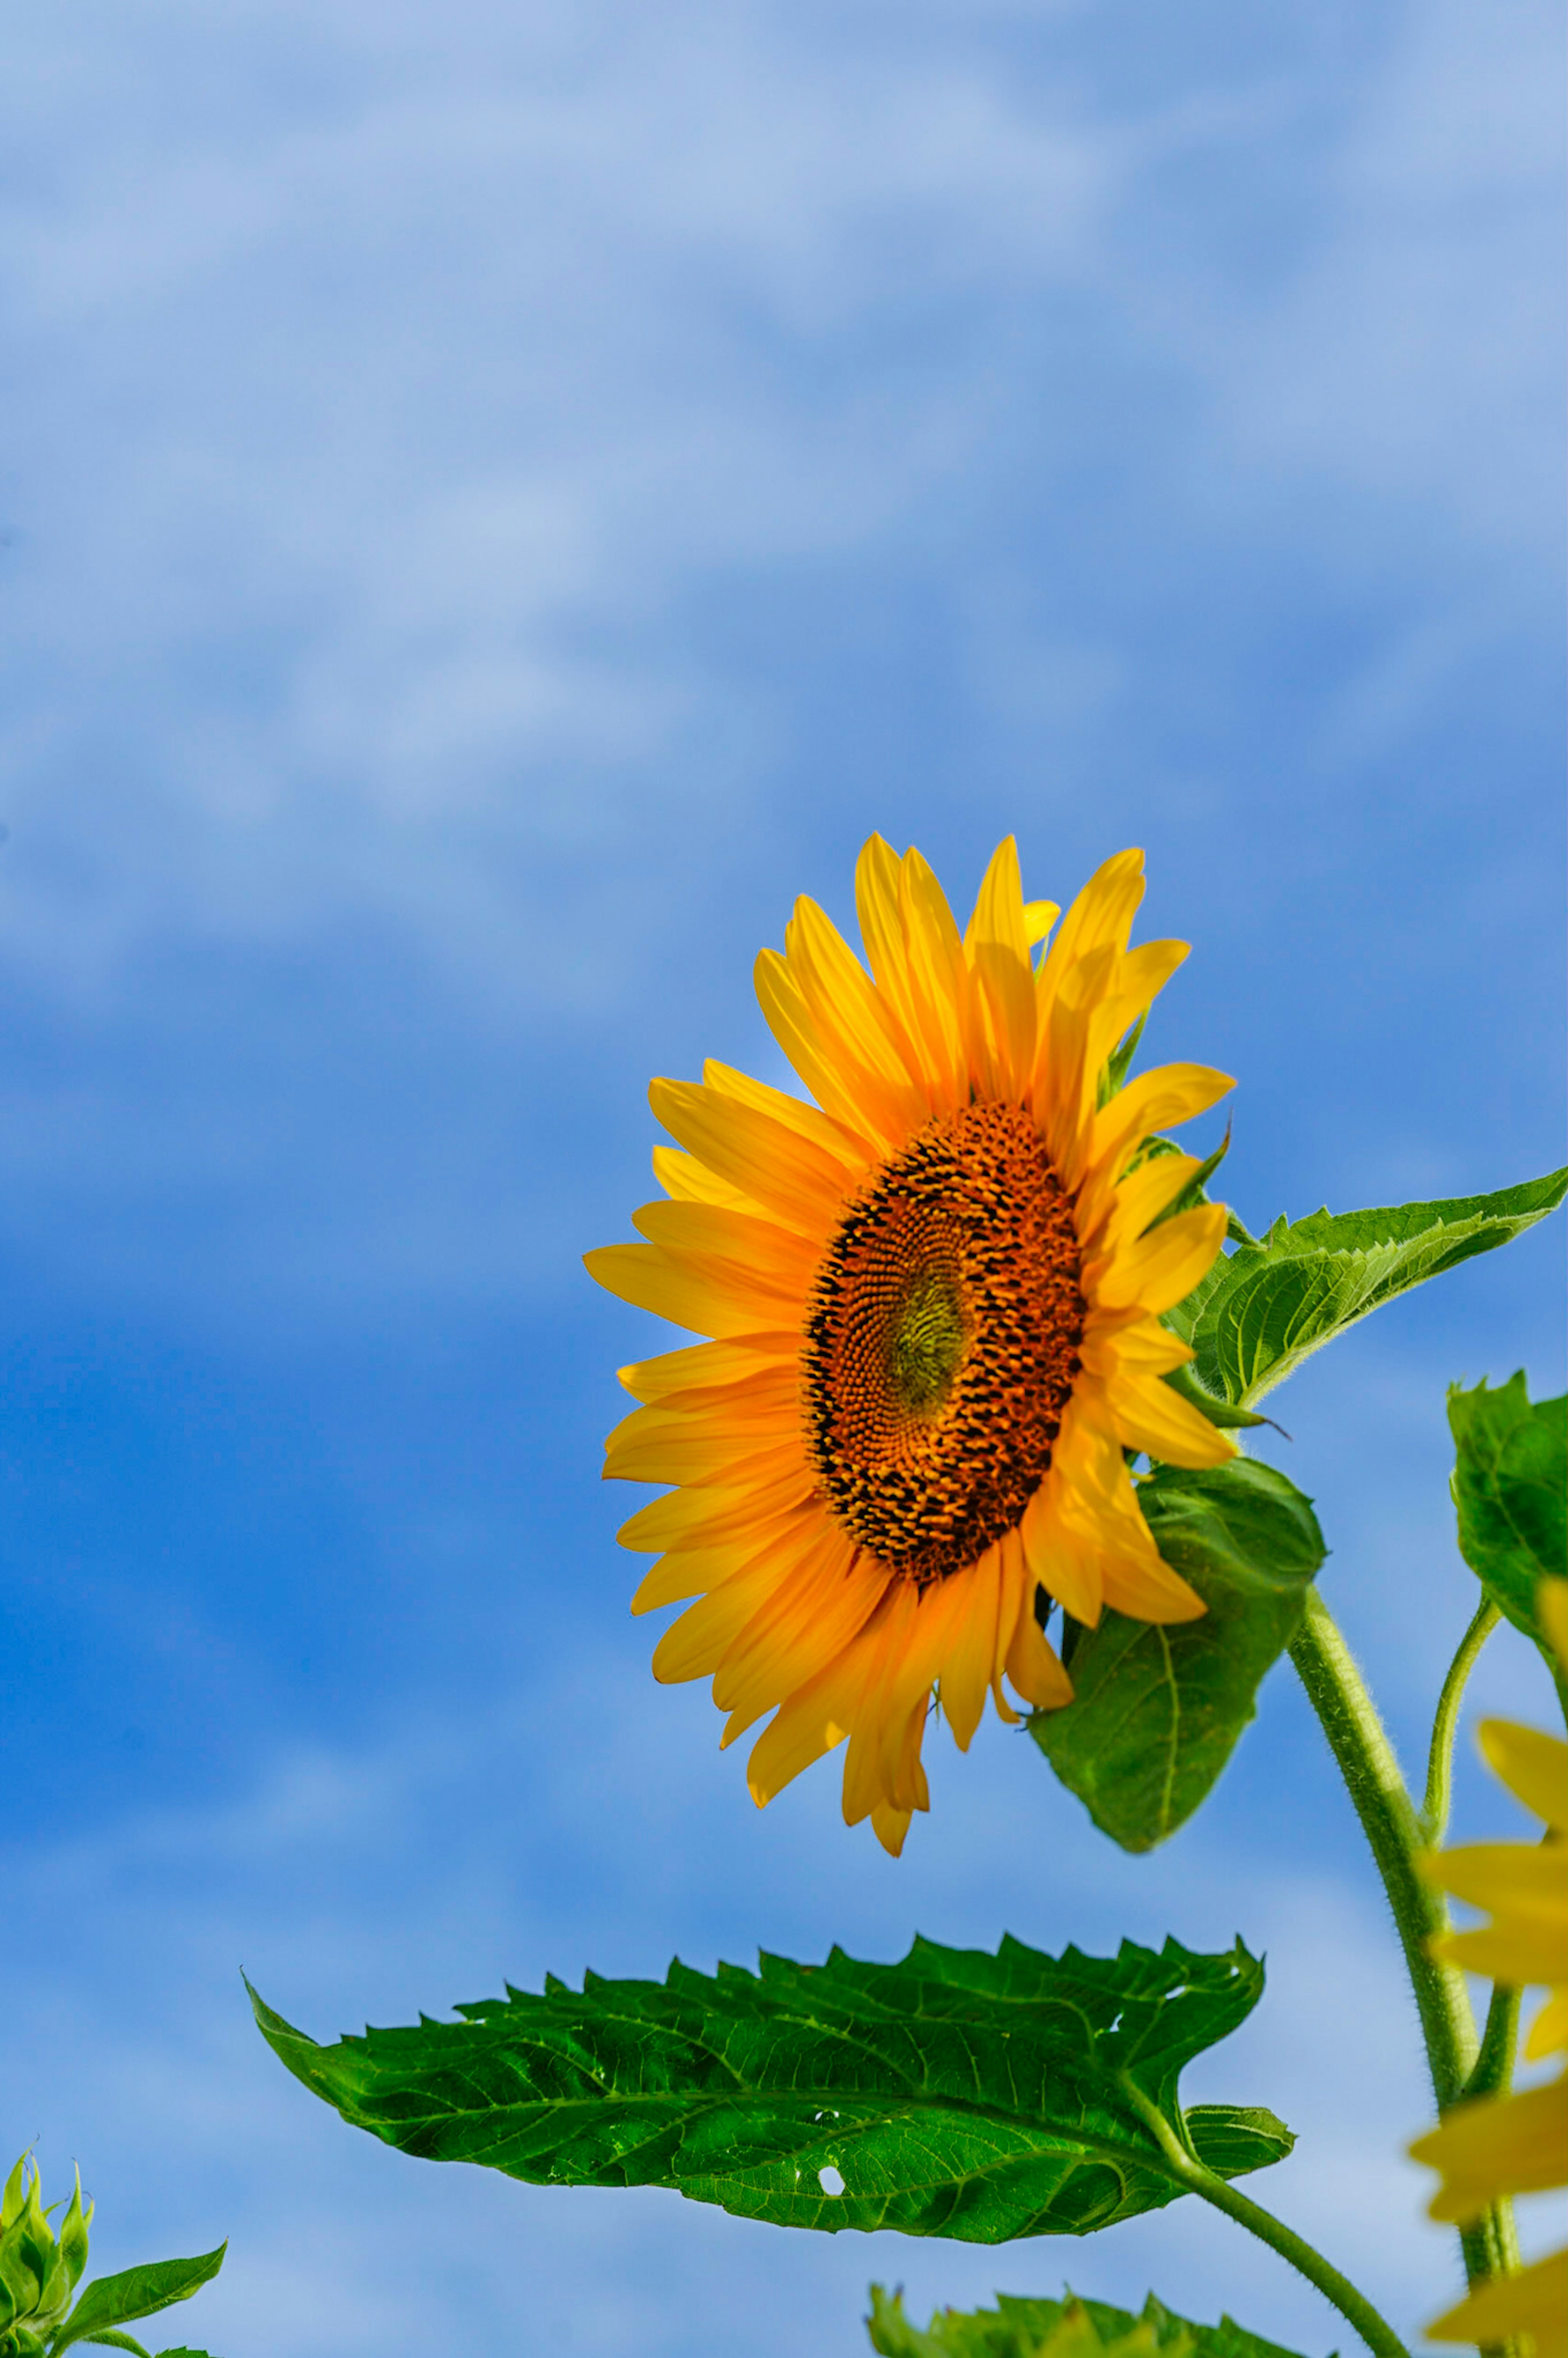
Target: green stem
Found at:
x=1492, y=2075
x=1192, y=2174
x=1366, y=1757
x=1440, y=1759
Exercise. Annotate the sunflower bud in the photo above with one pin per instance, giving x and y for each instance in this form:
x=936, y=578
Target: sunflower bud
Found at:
x=39, y=2270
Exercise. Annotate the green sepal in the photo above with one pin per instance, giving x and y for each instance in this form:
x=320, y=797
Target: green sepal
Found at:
x=1119, y=1064
x=956, y=2094
x=1068, y=2327
x=1511, y=1488
x=1264, y=1308
x=136, y=2293
x=1195, y=1191
x=1221, y=1412
x=1157, y=1710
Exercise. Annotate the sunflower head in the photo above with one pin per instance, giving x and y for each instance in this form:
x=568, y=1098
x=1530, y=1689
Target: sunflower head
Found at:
x=932, y=1292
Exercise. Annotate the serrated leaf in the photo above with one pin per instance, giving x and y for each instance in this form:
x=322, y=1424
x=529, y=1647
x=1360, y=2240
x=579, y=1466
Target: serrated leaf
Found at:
x=136, y=2293
x=955, y=2093
x=1068, y=2327
x=1510, y=1488
x=1264, y=1308
x=1156, y=1711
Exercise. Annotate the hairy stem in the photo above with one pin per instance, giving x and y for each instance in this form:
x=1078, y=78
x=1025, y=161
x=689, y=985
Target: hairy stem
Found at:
x=1440, y=1759
x=1192, y=2174
x=1396, y=1835
x=1365, y=1758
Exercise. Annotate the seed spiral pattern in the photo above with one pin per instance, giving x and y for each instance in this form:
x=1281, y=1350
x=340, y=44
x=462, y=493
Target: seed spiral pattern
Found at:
x=941, y=1342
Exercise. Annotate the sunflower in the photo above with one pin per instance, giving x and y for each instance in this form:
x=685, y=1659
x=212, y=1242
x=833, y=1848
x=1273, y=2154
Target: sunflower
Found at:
x=1517, y=2144
x=933, y=1297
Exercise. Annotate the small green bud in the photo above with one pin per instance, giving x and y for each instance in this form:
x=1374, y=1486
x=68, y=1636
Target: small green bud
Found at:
x=38, y=2272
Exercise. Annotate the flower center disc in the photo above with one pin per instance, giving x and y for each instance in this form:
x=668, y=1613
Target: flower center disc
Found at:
x=942, y=1342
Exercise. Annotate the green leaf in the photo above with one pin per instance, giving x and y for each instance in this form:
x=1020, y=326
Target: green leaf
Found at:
x=135, y=2293
x=1157, y=1712
x=1510, y=1487
x=1262, y=1309
x=955, y=2093
x=1068, y=2327
x=110, y=2340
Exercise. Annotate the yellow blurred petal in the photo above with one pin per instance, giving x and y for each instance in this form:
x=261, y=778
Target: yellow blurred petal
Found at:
x=1549, y=2031
x=1496, y=2145
x=1552, y=1604
x=890, y=1827
x=1533, y=1765
x=1519, y=1952
x=794, y=1179
x=1535, y=2301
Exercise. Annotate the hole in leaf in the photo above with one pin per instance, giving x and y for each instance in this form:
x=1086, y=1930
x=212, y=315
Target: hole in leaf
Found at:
x=830, y=2180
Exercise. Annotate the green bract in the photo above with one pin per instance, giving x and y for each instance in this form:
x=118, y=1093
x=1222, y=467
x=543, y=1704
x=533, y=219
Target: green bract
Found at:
x=1068, y=2327
x=956, y=2094
x=1157, y=1710
x=40, y=2272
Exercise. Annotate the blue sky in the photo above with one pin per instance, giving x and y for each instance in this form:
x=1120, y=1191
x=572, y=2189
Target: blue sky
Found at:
x=493, y=503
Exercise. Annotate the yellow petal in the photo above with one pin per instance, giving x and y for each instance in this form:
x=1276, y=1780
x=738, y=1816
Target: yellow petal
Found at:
x=1033, y=1667
x=1064, y=1561
x=1533, y=1765
x=1100, y=916
x=1161, y=1268
x=702, y=1372
x=966, y=1675
x=814, y=1719
x=1156, y=1101
x=1518, y=1952
x=1535, y=2301
x=1552, y=1604
x=794, y=1179
x=1151, y=1417
x=1496, y=2145
x=709, y=1301
x=889, y=1826
x=997, y=946
x=851, y=1016
x=849, y=1146
x=797, y=1630
x=939, y=980
x=1549, y=2031
x=1039, y=916
x=689, y=1181
x=846, y=1091
x=1516, y=1877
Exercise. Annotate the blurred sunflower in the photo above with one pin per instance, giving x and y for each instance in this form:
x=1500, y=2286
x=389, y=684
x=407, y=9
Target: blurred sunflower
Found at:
x=935, y=1299
x=1516, y=2144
